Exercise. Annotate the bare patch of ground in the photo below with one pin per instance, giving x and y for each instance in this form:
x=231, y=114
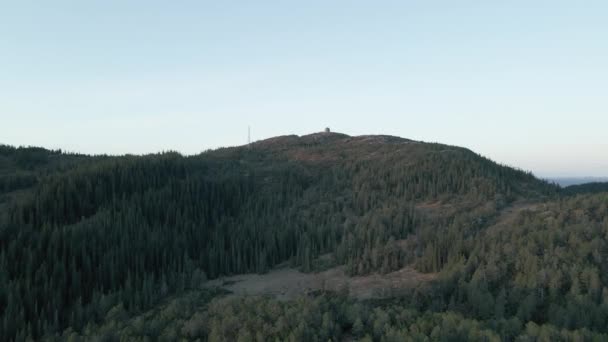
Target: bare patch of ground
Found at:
x=509, y=215
x=431, y=205
x=437, y=208
x=289, y=283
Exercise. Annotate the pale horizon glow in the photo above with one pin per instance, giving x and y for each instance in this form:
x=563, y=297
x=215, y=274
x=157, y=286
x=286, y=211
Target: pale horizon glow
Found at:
x=522, y=83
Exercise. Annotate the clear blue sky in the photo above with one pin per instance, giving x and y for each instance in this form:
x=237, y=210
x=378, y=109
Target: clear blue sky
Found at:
x=522, y=82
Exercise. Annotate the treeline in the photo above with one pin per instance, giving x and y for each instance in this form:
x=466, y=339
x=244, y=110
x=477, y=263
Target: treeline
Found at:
x=24, y=167
x=94, y=233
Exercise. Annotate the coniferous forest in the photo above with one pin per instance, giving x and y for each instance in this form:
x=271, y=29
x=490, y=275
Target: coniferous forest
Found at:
x=116, y=248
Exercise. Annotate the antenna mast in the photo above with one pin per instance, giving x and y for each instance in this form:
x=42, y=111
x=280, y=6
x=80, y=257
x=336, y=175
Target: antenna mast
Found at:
x=248, y=135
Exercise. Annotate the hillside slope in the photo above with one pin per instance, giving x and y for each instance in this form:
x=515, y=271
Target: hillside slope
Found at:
x=96, y=231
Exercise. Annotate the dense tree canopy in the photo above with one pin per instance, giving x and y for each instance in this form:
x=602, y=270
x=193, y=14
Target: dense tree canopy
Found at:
x=85, y=240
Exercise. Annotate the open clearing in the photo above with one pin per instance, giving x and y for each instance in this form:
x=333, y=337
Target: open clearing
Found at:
x=288, y=283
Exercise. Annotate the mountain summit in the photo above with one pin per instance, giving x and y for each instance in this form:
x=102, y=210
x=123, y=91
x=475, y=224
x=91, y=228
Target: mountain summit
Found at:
x=129, y=230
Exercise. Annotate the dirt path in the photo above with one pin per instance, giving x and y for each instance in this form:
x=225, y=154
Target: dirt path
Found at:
x=289, y=283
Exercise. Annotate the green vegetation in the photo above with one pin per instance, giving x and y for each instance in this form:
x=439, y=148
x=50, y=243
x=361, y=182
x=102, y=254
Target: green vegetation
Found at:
x=327, y=317
x=118, y=247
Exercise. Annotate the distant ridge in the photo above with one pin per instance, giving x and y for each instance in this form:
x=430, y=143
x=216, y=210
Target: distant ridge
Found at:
x=567, y=181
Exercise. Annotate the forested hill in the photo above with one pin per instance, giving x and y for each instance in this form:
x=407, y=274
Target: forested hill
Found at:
x=586, y=188
x=81, y=234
